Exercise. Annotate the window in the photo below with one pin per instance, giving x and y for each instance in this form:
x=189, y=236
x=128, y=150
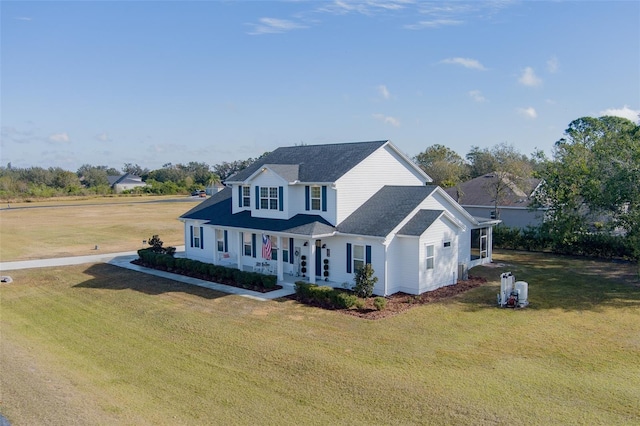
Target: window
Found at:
x=197, y=237
x=315, y=198
x=430, y=257
x=247, y=244
x=220, y=239
x=478, y=243
x=269, y=198
x=246, y=196
x=358, y=257
x=447, y=244
x=285, y=250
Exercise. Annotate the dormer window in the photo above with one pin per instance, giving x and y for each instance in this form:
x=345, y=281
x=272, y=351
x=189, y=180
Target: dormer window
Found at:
x=246, y=196
x=269, y=198
x=315, y=198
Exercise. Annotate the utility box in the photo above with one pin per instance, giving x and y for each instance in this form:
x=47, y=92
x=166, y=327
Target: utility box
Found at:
x=513, y=294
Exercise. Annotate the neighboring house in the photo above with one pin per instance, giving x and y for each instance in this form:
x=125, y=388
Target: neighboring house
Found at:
x=214, y=188
x=322, y=211
x=125, y=182
x=477, y=196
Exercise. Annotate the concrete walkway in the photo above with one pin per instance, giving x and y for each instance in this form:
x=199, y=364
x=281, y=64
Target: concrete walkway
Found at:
x=123, y=260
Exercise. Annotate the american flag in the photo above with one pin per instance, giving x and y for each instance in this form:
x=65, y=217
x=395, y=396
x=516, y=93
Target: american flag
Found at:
x=266, y=247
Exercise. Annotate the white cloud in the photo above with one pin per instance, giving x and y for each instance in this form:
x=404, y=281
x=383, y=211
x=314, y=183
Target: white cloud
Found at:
x=465, y=62
x=477, y=96
x=103, y=137
x=553, y=65
x=387, y=119
x=529, y=78
x=384, y=92
x=274, y=26
x=434, y=23
x=624, y=112
x=59, y=137
x=367, y=7
x=528, y=112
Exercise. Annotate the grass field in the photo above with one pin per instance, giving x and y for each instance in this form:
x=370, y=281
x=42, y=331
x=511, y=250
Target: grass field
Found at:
x=74, y=227
x=95, y=344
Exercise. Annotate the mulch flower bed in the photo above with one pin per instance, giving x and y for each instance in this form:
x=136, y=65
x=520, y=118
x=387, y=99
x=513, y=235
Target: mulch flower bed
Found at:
x=400, y=302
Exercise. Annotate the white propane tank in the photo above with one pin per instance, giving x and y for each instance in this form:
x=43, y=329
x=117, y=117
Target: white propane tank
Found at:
x=522, y=288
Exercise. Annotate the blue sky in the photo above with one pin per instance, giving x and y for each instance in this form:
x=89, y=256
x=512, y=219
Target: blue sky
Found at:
x=109, y=83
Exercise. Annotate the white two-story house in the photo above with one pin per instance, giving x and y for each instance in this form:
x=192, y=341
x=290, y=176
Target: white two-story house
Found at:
x=320, y=212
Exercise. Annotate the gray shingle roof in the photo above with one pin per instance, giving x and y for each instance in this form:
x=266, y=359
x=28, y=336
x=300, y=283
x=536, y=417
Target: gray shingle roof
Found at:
x=475, y=192
x=217, y=211
x=420, y=222
x=379, y=215
x=317, y=163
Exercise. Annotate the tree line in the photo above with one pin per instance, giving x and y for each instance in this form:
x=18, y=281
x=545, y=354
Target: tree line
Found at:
x=40, y=182
x=590, y=186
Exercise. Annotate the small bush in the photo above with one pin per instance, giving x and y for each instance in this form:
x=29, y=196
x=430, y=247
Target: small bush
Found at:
x=344, y=300
x=380, y=303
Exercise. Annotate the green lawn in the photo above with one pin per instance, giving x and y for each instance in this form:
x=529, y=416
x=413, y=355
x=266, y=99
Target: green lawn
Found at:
x=75, y=227
x=128, y=348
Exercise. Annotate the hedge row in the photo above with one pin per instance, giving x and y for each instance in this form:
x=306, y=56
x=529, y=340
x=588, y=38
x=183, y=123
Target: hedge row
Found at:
x=207, y=271
x=324, y=296
x=581, y=244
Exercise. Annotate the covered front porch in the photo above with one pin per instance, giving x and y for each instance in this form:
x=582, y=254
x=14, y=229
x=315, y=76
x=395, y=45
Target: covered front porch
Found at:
x=290, y=257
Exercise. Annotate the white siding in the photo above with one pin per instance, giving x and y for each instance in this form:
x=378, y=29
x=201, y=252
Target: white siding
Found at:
x=269, y=179
x=205, y=254
x=297, y=202
x=383, y=167
x=402, y=264
x=445, y=271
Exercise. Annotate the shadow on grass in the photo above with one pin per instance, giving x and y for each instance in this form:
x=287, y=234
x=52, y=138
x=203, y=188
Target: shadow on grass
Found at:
x=559, y=282
x=111, y=277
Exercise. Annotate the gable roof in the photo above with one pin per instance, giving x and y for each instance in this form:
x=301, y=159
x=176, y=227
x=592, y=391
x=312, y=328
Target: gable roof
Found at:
x=316, y=163
x=420, y=222
x=474, y=192
x=125, y=179
x=384, y=211
x=217, y=211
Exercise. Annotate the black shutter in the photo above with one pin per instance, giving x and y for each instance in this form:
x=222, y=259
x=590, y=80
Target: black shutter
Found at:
x=368, y=255
x=201, y=237
x=191, y=229
x=253, y=245
x=257, y=197
x=239, y=195
x=281, y=198
x=306, y=197
x=348, y=258
x=291, y=250
x=324, y=198
x=226, y=241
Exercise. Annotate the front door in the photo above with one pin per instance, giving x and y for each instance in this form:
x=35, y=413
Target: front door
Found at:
x=318, y=258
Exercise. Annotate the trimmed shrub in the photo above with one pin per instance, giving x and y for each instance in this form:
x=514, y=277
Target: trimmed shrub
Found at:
x=344, y=300
x=380, y=303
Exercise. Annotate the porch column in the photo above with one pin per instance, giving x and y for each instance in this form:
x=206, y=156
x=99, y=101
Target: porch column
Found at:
x=240, y=250
x=279, y=262
x=214, y=244
x=312, y=261
x=490, y=242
